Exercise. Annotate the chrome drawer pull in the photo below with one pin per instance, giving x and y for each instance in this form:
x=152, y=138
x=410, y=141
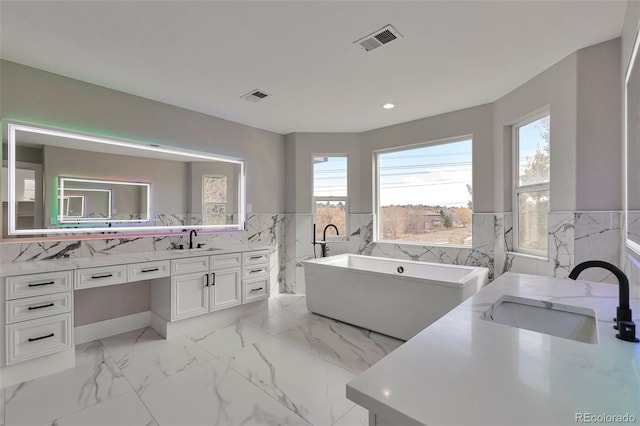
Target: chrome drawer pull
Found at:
x=256, y=289
x=95, y=277
x=253, y=271
x=31, y=308
x=39, y=284
x=33, y=339
x=150, y=270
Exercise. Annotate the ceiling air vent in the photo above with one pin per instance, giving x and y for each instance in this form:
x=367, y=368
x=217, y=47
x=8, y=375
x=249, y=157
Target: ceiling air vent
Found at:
x=378, y=38
x=255, y=95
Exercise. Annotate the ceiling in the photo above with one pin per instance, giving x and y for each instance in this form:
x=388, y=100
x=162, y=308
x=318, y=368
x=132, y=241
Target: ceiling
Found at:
x=203, y=55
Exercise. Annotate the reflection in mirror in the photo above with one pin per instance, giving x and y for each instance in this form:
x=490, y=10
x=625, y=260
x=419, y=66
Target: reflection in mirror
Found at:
x=59, y=182
x=103, y=201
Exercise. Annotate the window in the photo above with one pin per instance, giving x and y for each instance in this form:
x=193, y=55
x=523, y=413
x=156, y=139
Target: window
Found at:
x=531, y=184
x=330, y=197
x=424, y=194
x=214, y=200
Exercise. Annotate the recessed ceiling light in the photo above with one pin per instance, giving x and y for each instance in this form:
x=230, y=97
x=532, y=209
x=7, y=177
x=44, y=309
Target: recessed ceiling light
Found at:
x=389, y=105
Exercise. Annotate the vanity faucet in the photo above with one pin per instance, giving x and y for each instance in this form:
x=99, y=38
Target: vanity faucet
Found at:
x=191, y=235
x=624, y=324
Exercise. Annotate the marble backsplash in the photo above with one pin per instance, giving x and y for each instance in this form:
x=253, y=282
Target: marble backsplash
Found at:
x=573, y=237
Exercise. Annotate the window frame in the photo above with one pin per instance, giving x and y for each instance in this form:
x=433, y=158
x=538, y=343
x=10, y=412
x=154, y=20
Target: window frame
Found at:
x=314, y=199
x=376, y=188
x=205, y=203
x=515, y=178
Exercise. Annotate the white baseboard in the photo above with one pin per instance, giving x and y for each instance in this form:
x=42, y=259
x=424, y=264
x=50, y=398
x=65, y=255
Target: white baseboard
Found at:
x=98, y=330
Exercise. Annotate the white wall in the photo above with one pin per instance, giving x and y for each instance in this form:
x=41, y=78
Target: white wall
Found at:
x=37, y=96
x=555, y=88
x=599, y=130
x=301, y=147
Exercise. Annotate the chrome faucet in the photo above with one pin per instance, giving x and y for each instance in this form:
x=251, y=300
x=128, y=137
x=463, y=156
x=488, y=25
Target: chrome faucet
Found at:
x=624, y=323
x=191, y=235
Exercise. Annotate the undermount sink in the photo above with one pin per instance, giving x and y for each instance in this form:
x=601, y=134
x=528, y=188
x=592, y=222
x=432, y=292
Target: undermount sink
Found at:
x=566, y=321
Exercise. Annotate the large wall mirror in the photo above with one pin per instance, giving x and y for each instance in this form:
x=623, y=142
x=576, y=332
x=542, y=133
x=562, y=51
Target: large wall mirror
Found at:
x=58, y=182
x=632, y=152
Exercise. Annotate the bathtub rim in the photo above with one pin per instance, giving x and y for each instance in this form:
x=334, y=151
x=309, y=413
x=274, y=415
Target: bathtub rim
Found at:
x=475, y=272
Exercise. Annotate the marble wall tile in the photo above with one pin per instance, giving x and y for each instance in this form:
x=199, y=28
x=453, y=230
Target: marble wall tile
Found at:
x=25, y=252
x=598, y=237
x=561, y=244
x=304, y=249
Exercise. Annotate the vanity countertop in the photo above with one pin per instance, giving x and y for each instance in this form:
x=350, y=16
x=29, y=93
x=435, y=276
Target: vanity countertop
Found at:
x=40, y=266
x=463, y=370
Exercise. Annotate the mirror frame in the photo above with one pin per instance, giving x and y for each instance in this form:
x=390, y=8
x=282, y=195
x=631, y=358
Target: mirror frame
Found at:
x=13, y=126
x=632, y=246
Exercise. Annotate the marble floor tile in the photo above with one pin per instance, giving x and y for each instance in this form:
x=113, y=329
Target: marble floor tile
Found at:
x=213, y=394
x=306, y=384
x=123, y=410
x=347, y=346
x=296, y=303
x=276, y=322
x=95, y=378
x=227, y=339
x=144, y=356
x=357, y=416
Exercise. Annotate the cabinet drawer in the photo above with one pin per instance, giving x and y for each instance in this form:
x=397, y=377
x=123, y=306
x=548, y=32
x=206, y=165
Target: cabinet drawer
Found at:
x=255, y=272
x=100, y=276
x=189, y=265
x=37, y=284
x=31, y=339
x=225, y=260
x=38, y=307
x=255, y=290
x=255, y=257
x=149, y=270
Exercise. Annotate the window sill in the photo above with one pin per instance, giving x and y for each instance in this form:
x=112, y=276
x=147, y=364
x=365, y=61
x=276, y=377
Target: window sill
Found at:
x=528, y=256
x=419, y=244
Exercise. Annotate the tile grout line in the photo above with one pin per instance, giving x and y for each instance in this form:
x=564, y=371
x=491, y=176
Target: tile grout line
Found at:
x=262, y=390
x=127, y=380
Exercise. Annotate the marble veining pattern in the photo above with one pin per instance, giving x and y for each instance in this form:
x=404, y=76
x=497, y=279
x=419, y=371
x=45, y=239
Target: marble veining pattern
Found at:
x=143, y=356
x=597, y=237
x=234, y=374
x=95, y=378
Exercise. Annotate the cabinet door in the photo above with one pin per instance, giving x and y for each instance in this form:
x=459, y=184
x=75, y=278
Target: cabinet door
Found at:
x=189, y=295
x=225, y=288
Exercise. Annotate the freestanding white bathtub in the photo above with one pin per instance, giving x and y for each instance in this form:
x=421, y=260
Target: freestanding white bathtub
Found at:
x=398, y=298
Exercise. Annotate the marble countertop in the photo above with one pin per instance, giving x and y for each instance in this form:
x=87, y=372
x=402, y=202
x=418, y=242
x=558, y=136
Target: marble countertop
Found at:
x=463, y=370
x=40, y=266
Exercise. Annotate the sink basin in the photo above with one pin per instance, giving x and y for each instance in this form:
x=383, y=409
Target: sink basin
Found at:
x=195, y=250
x=566, y=321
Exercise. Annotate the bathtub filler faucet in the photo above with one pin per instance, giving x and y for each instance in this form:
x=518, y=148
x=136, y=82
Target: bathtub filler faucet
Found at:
x=624, y=324
x=324, y=250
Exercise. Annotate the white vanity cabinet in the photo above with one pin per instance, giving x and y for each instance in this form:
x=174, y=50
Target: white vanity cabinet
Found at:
x=216, y=286
x=38, y=315
x=255, y=276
